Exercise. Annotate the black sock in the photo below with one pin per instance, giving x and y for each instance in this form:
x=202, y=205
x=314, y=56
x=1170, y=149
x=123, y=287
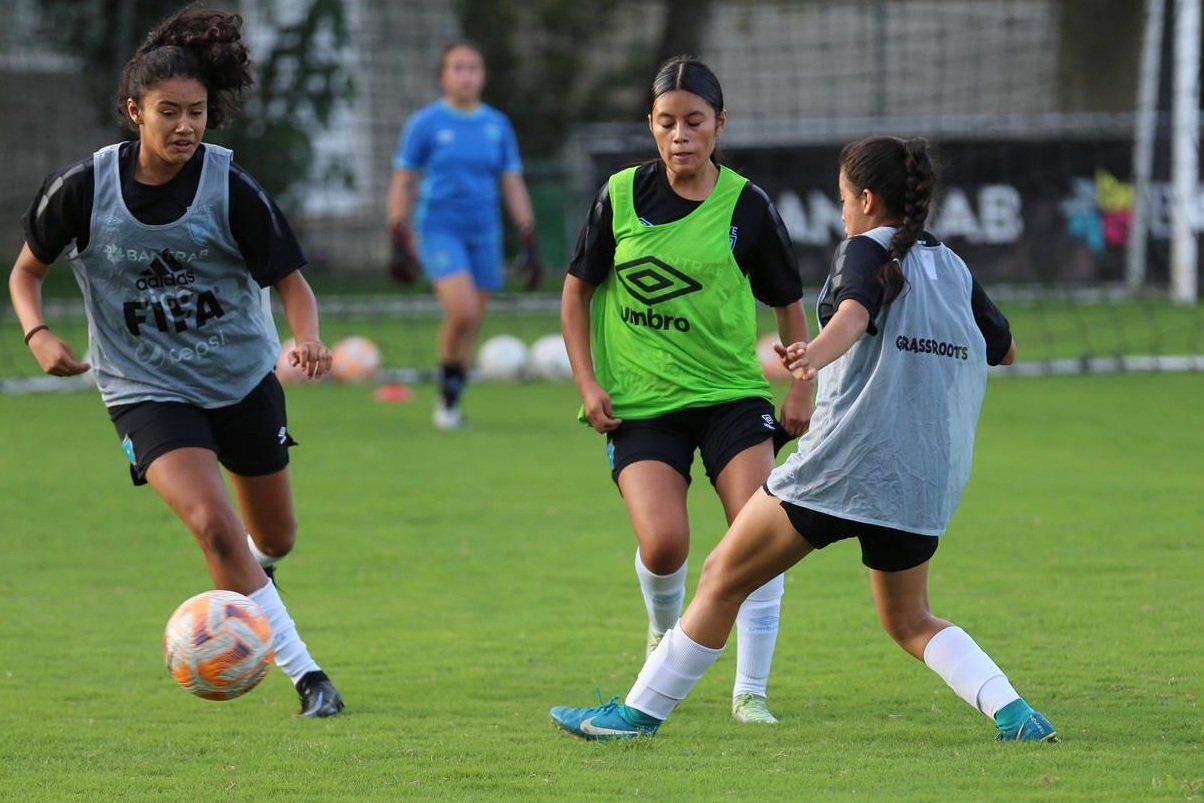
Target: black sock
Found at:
x=452, y=379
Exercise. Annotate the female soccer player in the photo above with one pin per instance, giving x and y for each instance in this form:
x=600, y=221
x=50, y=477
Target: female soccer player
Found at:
x=464, y=150
x=672, y=259
x=173, y=246
x=902, y=356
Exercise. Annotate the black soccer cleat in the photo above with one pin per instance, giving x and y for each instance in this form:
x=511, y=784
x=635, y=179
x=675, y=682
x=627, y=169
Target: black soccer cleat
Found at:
x=319, y=697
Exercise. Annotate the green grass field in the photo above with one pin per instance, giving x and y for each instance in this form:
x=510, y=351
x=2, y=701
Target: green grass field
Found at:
x=457, y=586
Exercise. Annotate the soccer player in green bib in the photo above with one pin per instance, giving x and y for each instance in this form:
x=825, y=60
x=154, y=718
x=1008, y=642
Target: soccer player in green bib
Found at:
x=659, y=316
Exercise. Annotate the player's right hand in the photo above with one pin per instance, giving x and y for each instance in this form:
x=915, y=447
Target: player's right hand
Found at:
x=599, y=410
x=795, y=360
x=403, y=260
x=312, y=357
x=54, y=355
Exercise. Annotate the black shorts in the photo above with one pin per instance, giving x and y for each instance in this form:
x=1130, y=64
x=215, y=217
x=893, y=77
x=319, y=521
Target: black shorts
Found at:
x=719, y=431
x=882, y=548
x=250, y=437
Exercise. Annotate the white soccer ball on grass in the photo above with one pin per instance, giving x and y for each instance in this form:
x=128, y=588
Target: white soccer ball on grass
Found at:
x=550, y=359
x=502, y=358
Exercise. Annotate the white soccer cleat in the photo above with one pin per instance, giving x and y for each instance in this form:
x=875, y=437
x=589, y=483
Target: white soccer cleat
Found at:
x=448, y=418
x=654, y=640
x=752, y=709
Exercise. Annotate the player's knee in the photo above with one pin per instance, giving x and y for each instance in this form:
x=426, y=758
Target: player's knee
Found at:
x=464, y=317
x=278, y=540
x=665, y=555
x=721, y=581
x=905, y=627
x=219, y=532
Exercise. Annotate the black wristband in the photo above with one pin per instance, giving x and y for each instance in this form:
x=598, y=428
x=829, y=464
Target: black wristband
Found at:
x=29, y=335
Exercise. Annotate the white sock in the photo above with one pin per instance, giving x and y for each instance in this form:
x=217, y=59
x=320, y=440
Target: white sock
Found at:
x=292, y=656
x=264, y=560
x=756, y=637
x=664, y=594
x=969, y=671
x=670, y=673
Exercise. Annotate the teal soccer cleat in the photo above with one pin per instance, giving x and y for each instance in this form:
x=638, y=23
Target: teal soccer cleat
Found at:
x=1035, y=728
x=607, y=723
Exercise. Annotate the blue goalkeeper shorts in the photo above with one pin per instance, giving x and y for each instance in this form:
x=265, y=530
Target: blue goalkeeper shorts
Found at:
x=446, y=253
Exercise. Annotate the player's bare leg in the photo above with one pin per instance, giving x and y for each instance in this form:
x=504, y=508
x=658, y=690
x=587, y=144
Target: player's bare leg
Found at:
x=902, y=601
x=190, y=481
x=469, y=346
x=760, y=545
x=655, y=495
x=266, y=503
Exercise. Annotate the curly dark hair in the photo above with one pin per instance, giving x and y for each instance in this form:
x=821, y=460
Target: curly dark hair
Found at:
x=192, y=43
x=901, y=173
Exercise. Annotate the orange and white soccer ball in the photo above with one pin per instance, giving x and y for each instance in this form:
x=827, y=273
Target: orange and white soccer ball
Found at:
x=356, y=359
x=218, y=645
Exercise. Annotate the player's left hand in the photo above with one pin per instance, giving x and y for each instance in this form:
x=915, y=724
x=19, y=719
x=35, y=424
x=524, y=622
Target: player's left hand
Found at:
x=530, y=262
x=797, y=409
x=311, y=357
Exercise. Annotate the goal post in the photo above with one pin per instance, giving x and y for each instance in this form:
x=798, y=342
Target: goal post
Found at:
x=1185, y=153
x=1144, y=133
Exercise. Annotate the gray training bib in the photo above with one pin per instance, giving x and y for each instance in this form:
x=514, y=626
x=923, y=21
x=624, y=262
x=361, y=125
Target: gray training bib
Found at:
x=892, y=439
x=173, y=312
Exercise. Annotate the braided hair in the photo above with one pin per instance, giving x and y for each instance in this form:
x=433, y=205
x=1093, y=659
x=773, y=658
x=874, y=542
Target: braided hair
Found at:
x=901, y=173
x=192, y=43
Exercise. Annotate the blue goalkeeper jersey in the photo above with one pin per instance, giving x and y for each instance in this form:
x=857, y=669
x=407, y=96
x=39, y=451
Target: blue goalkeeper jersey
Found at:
x=462, y=156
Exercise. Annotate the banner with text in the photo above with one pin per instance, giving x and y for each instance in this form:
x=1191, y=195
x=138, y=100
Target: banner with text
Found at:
x=1016, y=211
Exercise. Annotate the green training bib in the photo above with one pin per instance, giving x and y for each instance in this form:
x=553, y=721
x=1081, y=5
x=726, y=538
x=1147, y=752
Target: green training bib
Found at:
x=675, y=323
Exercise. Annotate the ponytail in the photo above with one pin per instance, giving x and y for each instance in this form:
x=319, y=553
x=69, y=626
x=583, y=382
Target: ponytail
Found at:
x=192, y=43
x=901, y=173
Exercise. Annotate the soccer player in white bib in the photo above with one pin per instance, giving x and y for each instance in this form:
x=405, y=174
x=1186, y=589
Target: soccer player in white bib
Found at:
x=174, y=246
x=907, y=335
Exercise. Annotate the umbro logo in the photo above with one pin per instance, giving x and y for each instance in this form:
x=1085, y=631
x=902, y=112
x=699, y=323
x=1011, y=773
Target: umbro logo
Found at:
x=652, y=282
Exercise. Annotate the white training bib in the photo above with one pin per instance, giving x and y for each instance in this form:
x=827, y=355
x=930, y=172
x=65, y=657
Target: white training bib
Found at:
x=892, y=439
